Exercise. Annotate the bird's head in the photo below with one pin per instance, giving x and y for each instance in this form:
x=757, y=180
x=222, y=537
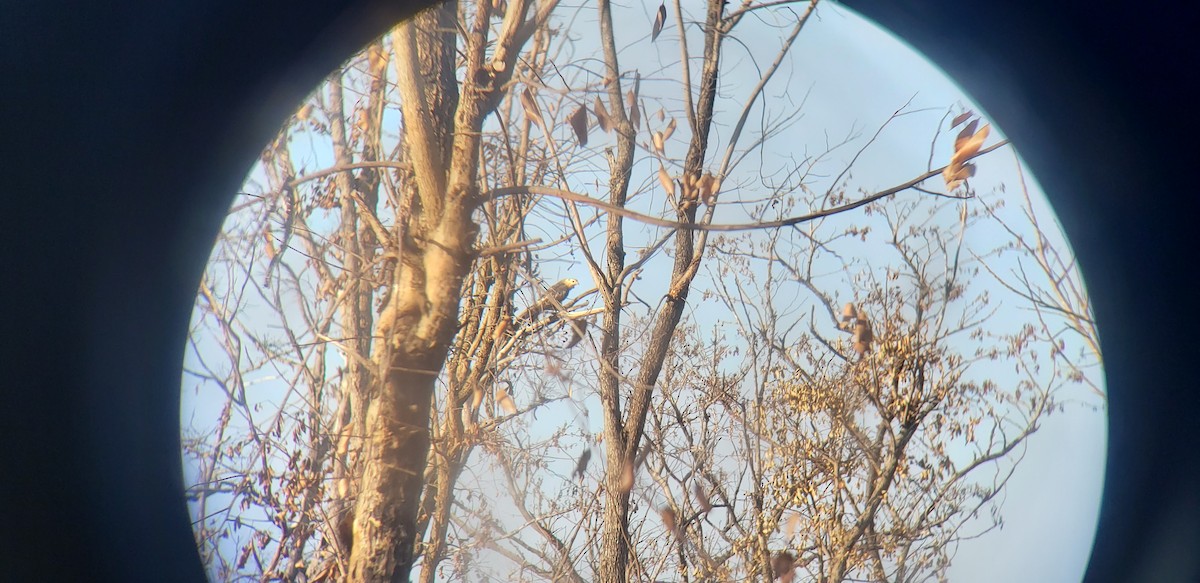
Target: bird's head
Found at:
x=570, y=282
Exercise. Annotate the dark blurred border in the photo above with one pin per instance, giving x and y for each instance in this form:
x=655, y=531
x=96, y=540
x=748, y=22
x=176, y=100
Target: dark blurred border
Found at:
x=123, y=129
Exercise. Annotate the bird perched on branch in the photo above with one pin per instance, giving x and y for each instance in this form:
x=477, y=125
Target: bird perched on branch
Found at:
x=551, y=300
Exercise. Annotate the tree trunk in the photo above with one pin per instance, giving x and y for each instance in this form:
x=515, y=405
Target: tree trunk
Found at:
x=434, y=249
x=614, y=537
x=624, y=429
x=614, y=541
x=418, y=323
x=386, y=516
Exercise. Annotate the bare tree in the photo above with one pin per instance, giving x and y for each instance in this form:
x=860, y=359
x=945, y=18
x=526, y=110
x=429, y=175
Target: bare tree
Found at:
x=1046, y=277
x=425, y=258
x=876, y=430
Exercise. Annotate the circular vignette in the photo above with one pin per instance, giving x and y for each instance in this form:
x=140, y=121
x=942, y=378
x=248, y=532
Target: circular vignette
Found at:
x=142, y=515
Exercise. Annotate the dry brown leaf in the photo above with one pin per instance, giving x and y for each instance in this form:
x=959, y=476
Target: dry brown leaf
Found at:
x=670, y=129
x=244, y=556
x=626, y=477
x=783, y=564
x=964, y=172
x=849, y=312
x=505, y=401
x=578, y=122
x=955, y=175
x=665, y=179
x=863, y=336
x=965, y=134
x=362, y=122
x=659, y=20
x=657, y=141
x=670, y=520
x=704, y=189
x=529, y=104
x=270, y=244
x=578, y=329
x=948, y=175
x=582, y=464
x=602, y=118
x=960, y=118
x=701, y=498
x=687, y=188
x=793, y=523
x=967, y=148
